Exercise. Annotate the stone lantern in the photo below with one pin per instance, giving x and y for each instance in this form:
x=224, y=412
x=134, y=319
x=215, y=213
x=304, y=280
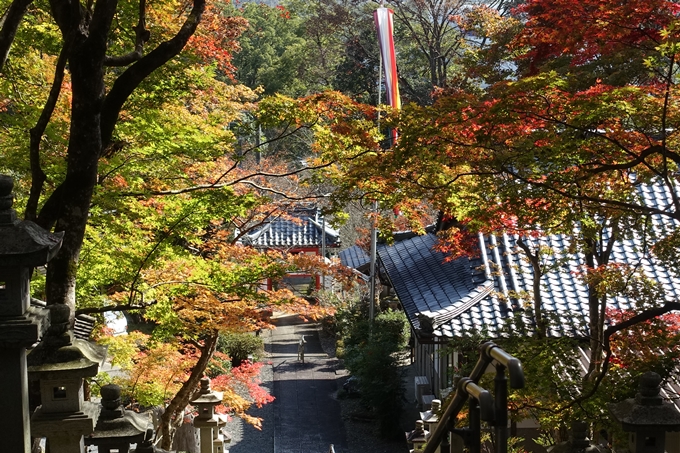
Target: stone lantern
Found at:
x=647, y=417
x=431, y=418
x=418, y=437
x=117, y=428
x=220, y=439
x=578, y=441
x=207, y=421
x=23, y=246
x=60, y=363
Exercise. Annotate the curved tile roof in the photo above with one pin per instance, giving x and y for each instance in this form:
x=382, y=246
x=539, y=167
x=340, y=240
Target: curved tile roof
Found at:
x=307, y=230
x=483, y=293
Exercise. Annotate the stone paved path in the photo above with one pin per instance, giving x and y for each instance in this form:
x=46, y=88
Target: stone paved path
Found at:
x=306, y=415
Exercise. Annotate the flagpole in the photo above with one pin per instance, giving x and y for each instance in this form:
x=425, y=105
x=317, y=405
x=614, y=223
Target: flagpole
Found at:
x=388, y=63
x=374, y=230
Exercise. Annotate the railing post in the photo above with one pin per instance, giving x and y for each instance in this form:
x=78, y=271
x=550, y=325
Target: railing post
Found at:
x=475, y=438
x=501, y=399
x=482, y=405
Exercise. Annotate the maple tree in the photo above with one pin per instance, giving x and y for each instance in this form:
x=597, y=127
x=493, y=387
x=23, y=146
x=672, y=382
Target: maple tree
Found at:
x=559, y=126
x=133, y=157
x=178, y=259
x=102, y=75
x=155, y=371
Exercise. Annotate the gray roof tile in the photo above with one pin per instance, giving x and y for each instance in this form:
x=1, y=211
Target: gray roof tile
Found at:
x=285, y=233
x=354, y=257
x=460, y=296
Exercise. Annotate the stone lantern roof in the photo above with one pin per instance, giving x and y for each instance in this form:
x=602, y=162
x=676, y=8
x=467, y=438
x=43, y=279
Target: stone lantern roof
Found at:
x=207, y=395
x=60, y=356
x=23, y=243
x=647, y=409
x=432, y=416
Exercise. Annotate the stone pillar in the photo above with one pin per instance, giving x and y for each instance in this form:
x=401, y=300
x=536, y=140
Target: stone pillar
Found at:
x=206, y=420
x=647, y=417
x=23, y=246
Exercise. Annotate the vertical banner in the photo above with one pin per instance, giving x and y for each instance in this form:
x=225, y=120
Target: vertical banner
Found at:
x=383, y=24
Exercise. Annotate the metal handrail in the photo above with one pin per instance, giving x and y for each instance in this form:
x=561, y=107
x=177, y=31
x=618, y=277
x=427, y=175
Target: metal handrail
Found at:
x=489, y=353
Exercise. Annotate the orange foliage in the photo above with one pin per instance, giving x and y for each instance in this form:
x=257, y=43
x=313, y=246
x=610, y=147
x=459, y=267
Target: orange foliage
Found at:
x=242, y=389
x=216, y=38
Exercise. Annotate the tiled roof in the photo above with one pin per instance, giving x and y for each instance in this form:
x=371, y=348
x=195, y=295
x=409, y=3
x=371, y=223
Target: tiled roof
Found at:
x=284, y=233
x=354, y=257
x=447, y=291
x=482, y=293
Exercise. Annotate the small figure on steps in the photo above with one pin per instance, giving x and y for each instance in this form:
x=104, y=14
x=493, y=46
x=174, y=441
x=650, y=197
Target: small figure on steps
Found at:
x=301, y=349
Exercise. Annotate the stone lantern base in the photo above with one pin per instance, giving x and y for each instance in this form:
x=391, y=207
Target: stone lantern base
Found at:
x=64, y=432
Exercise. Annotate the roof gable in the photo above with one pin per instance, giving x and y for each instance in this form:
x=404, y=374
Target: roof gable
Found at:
x=305, y=229
x=428, y=284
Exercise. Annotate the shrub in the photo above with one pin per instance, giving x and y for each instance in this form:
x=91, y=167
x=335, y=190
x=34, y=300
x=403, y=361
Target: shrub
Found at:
x=238, y=346
x=371, y=358
x=393, y=328
x=219, y=364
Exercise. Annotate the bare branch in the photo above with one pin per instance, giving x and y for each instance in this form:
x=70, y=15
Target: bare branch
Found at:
x=243, y=179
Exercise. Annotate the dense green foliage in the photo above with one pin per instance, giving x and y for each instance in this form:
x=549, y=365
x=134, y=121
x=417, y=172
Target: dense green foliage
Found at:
x=271, y=53
x=240, y=347
x=370, y=354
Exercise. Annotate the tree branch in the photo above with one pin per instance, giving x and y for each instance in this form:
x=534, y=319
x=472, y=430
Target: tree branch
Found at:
x=38, y=176
x=632, y=207
x=148, y=256
x=242, y=180
x=108, y=308
x=142, y=36
x=135, y=74
x=9, y=24
x=643, y=316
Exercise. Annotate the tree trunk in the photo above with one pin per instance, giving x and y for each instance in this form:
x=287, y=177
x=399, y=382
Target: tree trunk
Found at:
x=537, y=299
x=173, y=412
x=69, y=207
x=597, y=255
x=94, y=115
x=9, y=24
x=593, y=321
